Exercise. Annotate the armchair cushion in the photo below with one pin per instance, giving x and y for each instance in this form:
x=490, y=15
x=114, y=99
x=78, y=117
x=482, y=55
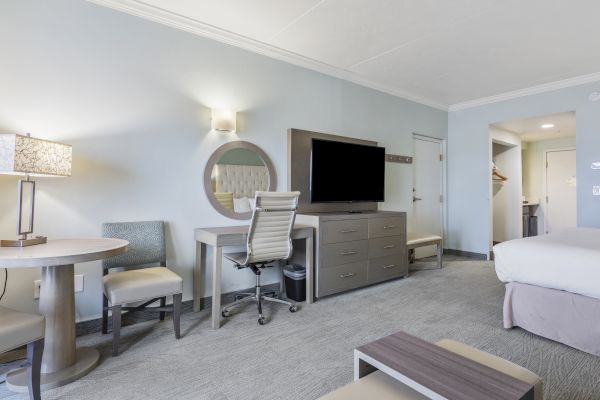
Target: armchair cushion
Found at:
x=141, y=284
x=17, y=329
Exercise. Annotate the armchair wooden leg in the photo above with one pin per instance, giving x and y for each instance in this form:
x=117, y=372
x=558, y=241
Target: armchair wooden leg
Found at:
x=177, y=315
x=104, y=314
x=35, y=350
x=116, y=317
x=163, y=303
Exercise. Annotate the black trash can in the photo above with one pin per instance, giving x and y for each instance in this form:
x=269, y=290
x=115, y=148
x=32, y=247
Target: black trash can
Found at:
x=295, y=282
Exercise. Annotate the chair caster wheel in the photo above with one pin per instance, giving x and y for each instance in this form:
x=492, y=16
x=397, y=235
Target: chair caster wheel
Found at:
x=293, y=308
x=225, y=314
x=261, y=321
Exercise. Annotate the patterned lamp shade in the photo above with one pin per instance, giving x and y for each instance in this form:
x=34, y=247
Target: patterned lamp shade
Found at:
x=21, y=155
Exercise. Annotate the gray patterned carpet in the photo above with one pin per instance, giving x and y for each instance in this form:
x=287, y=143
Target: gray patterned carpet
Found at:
x=307, y=354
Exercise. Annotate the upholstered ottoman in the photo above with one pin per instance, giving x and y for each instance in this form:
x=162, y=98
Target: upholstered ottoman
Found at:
x=380, y=386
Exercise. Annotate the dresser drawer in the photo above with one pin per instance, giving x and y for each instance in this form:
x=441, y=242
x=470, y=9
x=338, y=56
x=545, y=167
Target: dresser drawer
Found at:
x=342, y=277
x=344, y=253
x=388, y=267
x=384, y=246
x=344, y=231
x=382, y=227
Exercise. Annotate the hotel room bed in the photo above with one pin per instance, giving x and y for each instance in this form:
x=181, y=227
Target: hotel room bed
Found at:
x=553, y=286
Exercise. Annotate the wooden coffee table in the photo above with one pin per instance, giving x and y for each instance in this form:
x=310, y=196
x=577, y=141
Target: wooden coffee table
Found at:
x=436, y=372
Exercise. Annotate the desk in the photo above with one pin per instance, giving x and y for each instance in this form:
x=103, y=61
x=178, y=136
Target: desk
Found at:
x=62, y=362
x=435, y=372
x=219, y=237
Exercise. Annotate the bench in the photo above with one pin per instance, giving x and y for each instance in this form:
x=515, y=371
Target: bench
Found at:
x=421, y=240
x=380, y=386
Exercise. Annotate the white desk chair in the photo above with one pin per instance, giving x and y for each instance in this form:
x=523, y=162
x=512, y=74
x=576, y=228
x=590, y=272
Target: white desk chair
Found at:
x=269, y=240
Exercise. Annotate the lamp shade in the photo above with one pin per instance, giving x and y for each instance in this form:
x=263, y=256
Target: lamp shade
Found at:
x=20, y=155
x=223, y=120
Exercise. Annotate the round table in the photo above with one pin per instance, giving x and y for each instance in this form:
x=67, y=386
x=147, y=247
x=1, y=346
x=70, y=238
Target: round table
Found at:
x=62, y=361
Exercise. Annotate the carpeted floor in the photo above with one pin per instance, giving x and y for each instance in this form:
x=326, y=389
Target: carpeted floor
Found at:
x=305, y=355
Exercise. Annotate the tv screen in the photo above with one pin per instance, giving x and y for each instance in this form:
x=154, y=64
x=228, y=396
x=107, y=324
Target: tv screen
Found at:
x=346, y=172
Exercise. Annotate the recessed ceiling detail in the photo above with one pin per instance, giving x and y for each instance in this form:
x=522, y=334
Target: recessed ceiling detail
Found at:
x=446, y=54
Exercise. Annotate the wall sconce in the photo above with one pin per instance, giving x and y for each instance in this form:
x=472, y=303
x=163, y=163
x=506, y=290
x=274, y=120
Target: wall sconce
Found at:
x=223, y=120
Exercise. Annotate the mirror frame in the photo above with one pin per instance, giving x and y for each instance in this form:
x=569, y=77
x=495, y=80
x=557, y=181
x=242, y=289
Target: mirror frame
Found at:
x=216, y=156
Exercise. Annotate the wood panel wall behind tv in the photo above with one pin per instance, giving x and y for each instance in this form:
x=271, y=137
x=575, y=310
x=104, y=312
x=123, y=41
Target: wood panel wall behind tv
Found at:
x=299, y=144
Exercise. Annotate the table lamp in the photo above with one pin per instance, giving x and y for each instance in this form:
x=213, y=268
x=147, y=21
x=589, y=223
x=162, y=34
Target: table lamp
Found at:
x=24, y=155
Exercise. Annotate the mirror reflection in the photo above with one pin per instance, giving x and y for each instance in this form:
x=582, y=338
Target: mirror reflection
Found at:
x=235, y=178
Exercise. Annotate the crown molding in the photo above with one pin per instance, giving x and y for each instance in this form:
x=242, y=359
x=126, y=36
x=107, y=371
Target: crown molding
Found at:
x=546, y=87
x=165, y=17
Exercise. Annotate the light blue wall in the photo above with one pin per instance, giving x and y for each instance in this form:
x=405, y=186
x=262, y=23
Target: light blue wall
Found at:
x=469, y=164
x=133, y=99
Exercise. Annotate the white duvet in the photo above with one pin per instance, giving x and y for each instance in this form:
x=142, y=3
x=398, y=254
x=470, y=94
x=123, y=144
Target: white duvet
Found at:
x=569, y=260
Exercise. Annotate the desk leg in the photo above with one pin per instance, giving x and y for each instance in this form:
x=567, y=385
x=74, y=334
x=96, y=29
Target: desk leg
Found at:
x=62, y=362
x=198, y=269
x=216, y=287
x=309, y=270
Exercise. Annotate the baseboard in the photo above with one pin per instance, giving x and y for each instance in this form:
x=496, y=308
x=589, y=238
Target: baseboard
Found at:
x=462, y=253
x=95, y=325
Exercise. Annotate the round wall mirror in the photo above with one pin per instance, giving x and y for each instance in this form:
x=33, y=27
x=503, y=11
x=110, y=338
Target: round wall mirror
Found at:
x=232, y=176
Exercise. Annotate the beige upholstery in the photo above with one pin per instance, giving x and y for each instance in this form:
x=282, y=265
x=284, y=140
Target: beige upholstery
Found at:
x=18, y=329
x=238, y=258
x=141, y=284
x=225, y=198
x=415, y=239
x=241, y=180
x=495, y=362
x=375, y=386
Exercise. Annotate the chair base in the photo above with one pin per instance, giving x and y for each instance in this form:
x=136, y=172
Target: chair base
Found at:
x=87, y=360
x=257, y=298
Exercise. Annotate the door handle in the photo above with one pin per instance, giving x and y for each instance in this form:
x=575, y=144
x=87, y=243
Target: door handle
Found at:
x=389, y=226
x=347, y=253
x=389, y=266
x=348, y=231
x=389, y=246
x=416, y=199
x=347, y=275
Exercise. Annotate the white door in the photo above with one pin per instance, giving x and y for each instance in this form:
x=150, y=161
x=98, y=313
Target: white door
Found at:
x=428, y=190
x=561, y=190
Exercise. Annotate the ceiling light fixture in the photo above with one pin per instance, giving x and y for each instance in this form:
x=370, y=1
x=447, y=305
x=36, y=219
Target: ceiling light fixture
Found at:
x=547, y=126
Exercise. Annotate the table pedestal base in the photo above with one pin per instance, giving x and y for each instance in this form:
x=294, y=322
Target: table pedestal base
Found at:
x=87, y=359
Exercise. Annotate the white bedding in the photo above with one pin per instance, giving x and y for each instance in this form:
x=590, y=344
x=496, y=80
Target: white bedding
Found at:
x=569, y=260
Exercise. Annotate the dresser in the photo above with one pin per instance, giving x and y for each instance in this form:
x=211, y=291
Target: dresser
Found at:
x=356, y=250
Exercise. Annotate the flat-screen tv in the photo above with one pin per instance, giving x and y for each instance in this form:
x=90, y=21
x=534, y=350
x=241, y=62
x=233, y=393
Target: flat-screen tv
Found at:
x=346, y=172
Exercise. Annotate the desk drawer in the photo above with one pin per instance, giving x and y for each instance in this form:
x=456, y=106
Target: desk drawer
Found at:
x=382, y=227
x=344, y=231
x=340, y=278
x=384, y=246
x=344, y=253
x=388, y=267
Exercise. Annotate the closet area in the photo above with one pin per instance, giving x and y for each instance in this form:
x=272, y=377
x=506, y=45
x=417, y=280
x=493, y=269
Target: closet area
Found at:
x=532, y=176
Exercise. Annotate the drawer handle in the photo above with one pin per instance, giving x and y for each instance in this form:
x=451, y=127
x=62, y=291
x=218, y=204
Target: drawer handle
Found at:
x=348, y=275
x=389, y=266
x=348, y=231
x=389, y=246
x=347, y=253
x=389, y=226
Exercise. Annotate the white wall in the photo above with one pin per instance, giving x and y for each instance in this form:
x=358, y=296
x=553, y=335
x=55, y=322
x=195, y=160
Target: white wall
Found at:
x=133, y=99
x=468, y=161
x=506, y=196
x=534, y=169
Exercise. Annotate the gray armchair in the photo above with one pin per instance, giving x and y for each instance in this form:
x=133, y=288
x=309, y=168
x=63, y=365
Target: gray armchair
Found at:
x=146, y=277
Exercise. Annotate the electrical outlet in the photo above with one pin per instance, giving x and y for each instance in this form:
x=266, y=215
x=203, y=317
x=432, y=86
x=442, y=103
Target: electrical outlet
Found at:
x=596, y=190
x=78, y=286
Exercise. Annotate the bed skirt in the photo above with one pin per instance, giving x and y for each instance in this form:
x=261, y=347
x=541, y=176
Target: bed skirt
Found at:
x=562, y=316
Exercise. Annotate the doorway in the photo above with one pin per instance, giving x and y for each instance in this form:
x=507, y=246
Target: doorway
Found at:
x=428, y=190
x=532, y=189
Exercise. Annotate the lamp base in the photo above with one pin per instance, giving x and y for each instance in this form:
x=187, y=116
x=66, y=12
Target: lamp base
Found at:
x=23, y=242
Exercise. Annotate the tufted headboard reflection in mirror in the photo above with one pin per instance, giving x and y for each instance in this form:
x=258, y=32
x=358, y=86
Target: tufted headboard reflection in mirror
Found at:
x=232, y=176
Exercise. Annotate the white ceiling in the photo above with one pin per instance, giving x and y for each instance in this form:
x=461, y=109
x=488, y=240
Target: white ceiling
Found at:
x=530, y=129
x=439, y=52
